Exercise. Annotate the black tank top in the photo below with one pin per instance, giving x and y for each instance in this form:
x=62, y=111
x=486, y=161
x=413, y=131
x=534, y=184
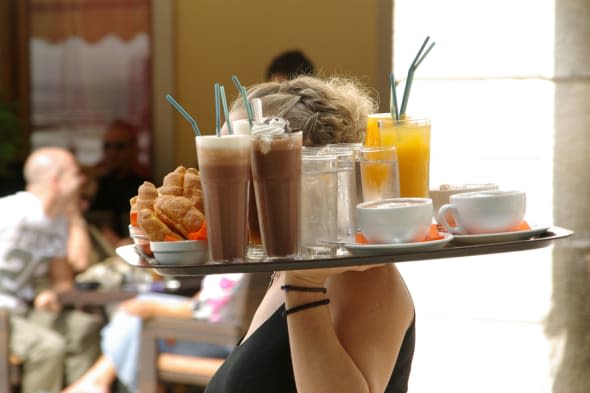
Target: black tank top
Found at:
x=263, y=363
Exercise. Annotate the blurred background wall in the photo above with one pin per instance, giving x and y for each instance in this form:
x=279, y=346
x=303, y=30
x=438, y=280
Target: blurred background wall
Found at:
x=215, y=39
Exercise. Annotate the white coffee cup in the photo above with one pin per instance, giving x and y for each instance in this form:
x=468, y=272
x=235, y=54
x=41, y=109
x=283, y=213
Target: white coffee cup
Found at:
x=441, y=196
x=480, y=212
x=395, y=220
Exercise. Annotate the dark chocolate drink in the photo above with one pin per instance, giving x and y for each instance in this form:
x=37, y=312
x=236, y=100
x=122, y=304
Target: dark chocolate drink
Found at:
x=224, y=164
x=276, y=171
x=254, y=227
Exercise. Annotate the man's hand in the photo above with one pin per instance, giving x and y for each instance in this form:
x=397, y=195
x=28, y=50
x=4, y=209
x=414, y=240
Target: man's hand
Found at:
x=47, y=300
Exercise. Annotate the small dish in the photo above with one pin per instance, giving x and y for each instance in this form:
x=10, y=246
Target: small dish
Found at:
x=364, y=249
x=140, y=238
x=183, y=252
x=499, y=237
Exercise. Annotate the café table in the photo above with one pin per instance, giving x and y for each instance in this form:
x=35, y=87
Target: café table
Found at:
x=92, y=298
x=96, y=300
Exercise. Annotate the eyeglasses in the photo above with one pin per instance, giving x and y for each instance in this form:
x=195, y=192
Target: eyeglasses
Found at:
x=115, y=145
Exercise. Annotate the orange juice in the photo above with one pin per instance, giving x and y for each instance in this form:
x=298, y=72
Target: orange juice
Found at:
x=411, y=137
x=372, y=134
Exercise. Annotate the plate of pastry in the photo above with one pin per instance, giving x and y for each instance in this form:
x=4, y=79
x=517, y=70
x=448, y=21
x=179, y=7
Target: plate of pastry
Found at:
x=170, y=218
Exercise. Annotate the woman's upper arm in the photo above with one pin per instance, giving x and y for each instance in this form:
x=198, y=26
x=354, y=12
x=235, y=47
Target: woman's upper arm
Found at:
x=371, y=323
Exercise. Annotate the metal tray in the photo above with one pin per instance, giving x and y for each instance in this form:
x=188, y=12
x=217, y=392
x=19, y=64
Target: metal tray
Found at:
x=135, y=257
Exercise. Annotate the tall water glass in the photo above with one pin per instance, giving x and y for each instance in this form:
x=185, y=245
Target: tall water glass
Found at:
x=356, y=149
x=224, y=164
x=349, y=187
x=319, y=208
x=379, y=173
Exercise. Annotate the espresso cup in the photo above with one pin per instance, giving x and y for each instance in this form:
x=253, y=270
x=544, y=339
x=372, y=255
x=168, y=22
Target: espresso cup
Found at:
x=395, y=220
x=481, y=212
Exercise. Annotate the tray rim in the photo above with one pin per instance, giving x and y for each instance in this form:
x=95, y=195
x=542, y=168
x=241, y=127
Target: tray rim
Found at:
x=267, y=265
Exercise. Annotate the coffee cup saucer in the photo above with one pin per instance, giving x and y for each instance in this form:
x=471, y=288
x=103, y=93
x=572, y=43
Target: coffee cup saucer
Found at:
x=367, y=249
x=500, y=236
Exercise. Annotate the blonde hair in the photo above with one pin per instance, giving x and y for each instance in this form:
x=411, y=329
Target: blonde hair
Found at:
x=332, y=110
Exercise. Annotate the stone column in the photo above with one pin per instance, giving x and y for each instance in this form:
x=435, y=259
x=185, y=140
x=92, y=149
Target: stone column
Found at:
x=569, y=319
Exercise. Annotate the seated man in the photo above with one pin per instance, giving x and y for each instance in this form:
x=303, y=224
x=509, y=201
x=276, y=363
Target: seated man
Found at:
x=52, y=343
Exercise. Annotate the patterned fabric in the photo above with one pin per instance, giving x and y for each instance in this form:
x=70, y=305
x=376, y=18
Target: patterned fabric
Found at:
x=216, y=291
x=29, y=240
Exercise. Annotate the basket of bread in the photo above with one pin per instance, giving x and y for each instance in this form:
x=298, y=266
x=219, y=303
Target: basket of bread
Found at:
x=168, y=221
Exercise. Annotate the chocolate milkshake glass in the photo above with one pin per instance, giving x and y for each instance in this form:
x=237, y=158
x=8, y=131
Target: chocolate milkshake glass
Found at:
x=276, y=171
x=242, y=127
x=224, y=164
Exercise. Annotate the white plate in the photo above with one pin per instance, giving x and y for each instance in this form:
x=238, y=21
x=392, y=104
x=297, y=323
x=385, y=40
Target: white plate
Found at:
x=385, y=249
x=499, y=237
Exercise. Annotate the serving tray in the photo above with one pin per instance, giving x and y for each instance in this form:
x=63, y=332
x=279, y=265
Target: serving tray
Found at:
x=135, y=257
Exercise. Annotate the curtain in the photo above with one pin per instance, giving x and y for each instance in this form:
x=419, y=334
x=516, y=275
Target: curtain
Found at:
x=90, y=65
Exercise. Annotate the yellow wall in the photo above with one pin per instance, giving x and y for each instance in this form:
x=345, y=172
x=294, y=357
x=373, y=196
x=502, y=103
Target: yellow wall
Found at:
x=218, y=38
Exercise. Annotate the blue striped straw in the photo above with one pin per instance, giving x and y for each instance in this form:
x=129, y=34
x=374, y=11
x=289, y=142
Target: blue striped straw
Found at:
x=217, y=116
x=225, y=109
x=410, y=78
x=393, y=105
x=244, y=95
x=184, y=113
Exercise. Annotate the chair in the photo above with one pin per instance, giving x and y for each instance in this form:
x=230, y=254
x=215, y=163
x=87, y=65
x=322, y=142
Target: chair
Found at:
x=9, y=364
x=191, y=370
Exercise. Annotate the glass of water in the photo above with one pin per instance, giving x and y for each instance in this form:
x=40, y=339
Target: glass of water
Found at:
x=348, y=197
x=319, y=187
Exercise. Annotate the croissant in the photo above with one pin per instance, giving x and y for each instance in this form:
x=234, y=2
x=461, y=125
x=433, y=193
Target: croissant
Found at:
x=133, y=204
x=192, y=188
x=146, y=194
x=173, y=182
x=154, y=228
x=179, y=213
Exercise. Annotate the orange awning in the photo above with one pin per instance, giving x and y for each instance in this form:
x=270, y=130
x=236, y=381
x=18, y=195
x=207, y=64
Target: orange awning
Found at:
x=57, y=20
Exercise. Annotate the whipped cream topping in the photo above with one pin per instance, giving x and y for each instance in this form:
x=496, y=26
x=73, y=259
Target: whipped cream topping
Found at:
x=272, y=127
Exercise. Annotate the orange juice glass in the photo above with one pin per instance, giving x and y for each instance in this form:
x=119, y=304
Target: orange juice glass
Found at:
x=372, y=137
x=411, y=137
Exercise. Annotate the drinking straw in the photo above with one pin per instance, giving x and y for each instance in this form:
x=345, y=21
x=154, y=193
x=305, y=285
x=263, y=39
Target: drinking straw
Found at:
x=393, y=104
x=257, y=104
x=184, y=113
x=410, y=78
x=225, y=110
x=424, y=55
x=244, y=95
x=217, y=117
